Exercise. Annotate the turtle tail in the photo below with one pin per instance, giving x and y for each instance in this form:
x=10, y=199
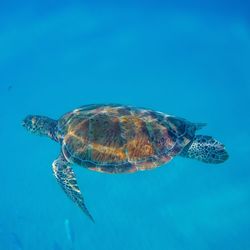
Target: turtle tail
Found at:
x=206, y=149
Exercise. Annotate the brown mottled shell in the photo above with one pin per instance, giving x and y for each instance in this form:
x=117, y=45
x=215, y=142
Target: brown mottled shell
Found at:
x=115, y=138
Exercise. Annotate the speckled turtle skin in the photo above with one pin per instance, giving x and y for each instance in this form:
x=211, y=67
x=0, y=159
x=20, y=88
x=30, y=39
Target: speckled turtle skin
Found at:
x=122, y=139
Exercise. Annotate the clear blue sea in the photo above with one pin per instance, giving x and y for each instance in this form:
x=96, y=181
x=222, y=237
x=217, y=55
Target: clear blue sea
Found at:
x=187, y=59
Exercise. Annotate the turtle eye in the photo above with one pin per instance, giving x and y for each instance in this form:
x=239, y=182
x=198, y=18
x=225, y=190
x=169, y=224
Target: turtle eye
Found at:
x=33, y=123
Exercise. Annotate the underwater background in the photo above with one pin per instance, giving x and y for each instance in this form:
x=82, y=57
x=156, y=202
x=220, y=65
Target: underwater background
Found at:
x=190, y=60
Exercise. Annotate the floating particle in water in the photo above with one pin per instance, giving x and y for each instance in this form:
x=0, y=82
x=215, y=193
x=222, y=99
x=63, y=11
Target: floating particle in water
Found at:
x=69, y=232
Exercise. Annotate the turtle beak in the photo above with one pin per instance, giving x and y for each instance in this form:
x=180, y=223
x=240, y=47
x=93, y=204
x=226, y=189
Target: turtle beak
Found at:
x=23, y=123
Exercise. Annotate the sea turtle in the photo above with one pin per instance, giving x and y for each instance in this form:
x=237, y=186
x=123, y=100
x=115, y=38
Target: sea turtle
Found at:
x=120, y=139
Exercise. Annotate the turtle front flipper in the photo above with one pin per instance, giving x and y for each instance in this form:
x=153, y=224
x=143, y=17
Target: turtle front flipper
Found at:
x=67, y=180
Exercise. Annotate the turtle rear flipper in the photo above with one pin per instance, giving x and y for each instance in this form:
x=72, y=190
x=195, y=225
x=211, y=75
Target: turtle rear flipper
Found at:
x=67, y=180
x=206, y=149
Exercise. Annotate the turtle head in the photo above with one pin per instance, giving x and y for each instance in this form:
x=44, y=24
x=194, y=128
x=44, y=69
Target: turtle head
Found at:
x=40, y=125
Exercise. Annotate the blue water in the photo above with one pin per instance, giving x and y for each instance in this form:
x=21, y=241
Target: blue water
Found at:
x=191, y=60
